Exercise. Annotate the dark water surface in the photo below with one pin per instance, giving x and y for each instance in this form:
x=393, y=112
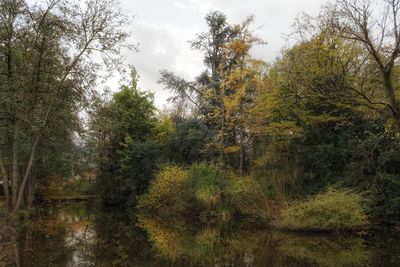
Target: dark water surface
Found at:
x=77, y=235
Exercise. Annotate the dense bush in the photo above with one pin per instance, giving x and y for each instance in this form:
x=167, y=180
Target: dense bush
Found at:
x=247, y=198
x=387, y=203
x=208, y=183
x=184, y=190
x=204, y=189
x=167, y=191
x=333, y=210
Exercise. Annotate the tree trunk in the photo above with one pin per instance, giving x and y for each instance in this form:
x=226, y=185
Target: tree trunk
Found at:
x=4, y=174
x=14, y=173
x=241, y=140
x=15, y=247
x=25, y=179
x=392, y=99
x=30, y=190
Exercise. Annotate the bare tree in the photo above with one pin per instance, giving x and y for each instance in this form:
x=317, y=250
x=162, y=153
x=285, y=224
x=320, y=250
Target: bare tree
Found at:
x=374, y=25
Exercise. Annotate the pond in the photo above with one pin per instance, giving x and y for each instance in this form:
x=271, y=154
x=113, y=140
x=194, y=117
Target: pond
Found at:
x=79, y=235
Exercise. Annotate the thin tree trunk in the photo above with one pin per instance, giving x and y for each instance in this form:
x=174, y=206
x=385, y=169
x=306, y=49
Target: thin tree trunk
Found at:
x=14, y=173
x=222, y=148
x=4, y=174
x=15, y=247
x=392, y=99
x=30, y=195
x=25, y=179
x=241, y=156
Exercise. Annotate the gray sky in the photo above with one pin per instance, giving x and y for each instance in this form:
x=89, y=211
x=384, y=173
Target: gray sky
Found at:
x=163, y=27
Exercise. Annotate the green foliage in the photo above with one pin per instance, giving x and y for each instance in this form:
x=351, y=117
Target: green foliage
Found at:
x=309, y=116
x=189, y=143
x=333, y=210
x=47, y=72
x=208, y=183
x=249, y=197
x=79, y=187
x=314, y=118
x=206, y=190
x=168, y=191
x=122, y=131
x=387, y=204
x=180, y=190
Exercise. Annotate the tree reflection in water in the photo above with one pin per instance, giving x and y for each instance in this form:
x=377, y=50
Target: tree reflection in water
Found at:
x=74, y=235
x=214, y=245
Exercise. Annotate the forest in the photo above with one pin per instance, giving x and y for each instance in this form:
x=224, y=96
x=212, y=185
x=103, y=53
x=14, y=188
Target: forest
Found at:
x=307, y=142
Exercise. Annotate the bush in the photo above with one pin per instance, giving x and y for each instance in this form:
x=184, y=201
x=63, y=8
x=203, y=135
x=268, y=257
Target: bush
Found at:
x=333, y=210
x=180, y=190
x=206, y=190
x=208, y=182
x=387, y=205
x=167, y=191
x=247, y=198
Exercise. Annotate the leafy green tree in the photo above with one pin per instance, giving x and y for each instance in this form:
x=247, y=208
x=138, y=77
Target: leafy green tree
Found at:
x=189, y=143
x=308, y=114
x=46, y=73
x=122, y=130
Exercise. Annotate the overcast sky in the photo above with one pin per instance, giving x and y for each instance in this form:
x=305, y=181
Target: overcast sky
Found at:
x=163, y=27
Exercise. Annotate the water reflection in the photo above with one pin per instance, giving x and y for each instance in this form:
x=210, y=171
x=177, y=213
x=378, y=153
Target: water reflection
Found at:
x=213, y=245
x=79, y=236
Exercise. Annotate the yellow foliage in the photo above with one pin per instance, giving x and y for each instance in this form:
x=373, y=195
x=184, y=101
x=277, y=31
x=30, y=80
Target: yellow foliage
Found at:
x=164, y=128
x=165, y=189
x=231, y=149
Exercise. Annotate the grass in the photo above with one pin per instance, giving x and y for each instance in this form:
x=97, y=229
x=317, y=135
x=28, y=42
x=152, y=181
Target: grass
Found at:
x=332, y=210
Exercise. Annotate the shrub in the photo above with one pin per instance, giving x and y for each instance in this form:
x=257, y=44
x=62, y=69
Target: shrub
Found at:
x=387, y=201
x=167, y=191
x=208, y=182
x=247, y=198
x=333, y=210
x=206, y=190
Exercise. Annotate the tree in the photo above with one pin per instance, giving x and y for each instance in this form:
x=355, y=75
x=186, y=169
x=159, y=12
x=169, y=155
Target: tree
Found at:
x=122, y=132
x=374, y=26
x=47, y=69
x=309, y=116
x=224, y=82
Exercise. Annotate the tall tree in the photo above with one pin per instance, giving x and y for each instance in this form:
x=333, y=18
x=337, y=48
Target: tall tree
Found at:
x=46, y=51
x=374, y=26
x=121, y=130
x=226, y=55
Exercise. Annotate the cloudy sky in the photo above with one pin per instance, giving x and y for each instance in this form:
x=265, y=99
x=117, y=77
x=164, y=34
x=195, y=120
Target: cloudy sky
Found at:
x=163, y=27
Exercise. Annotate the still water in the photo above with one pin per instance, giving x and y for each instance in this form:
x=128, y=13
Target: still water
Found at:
x=78, y=235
